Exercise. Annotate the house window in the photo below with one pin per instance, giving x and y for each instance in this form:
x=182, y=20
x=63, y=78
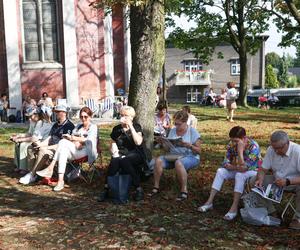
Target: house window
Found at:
x=40, y=34
x=235, y=66
x=193, y=95
x=192, y=65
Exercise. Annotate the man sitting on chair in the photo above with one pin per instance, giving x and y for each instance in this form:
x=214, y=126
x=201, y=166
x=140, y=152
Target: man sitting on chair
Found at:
x=40, y=152
x=283, y=158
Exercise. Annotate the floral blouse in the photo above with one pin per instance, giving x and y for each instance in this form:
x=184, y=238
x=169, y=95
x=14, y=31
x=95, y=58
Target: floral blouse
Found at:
x=252, y=156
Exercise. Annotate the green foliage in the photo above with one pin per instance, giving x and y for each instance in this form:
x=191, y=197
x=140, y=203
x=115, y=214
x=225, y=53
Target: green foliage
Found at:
x=283, y=72
x=296, y=61
x=293, y=82
x=287, y=19
x=271, y=78
x=273, y=59
x=237, y=22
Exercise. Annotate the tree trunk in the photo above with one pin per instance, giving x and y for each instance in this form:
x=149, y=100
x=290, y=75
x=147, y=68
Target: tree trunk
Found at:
x=242, y=100
x=147, y=24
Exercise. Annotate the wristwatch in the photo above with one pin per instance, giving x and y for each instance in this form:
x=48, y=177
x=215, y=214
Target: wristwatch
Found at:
x=287, y=182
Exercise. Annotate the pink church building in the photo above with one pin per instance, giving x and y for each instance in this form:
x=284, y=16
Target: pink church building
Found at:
x=63, y=47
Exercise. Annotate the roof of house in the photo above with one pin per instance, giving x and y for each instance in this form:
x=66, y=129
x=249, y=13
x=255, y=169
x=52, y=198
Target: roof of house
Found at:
x=295, y=71
x=277, y=92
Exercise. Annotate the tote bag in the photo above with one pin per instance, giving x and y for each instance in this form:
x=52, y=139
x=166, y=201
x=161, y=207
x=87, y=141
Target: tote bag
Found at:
x=119, y=186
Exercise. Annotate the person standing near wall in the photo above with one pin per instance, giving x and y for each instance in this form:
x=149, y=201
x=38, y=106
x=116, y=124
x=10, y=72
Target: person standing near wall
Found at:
x=230, y=100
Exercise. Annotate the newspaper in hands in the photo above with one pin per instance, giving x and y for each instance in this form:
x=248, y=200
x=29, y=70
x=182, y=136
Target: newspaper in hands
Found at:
x=170, y=143
x=272, y=192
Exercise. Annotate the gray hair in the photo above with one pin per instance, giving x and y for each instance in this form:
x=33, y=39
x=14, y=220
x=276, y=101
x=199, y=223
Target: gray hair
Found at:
x=279, y=135
x=128, y=110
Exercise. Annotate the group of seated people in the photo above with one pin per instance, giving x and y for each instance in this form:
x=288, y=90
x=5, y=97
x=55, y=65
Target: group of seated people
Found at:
x=216, y=100
x=30, y=103
x=265, y=102
x=49, y=143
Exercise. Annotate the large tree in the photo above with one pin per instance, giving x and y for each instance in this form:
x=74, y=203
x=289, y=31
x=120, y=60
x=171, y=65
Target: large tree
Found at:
x=237, y=22
x=287, y=18
x=147, y=24
x=273, y=59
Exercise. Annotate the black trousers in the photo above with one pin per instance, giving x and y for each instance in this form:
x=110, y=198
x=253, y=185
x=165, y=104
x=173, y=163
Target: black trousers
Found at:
x=130, y=164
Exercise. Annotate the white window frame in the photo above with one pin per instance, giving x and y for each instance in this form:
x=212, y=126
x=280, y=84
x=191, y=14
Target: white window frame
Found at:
x=42, y=62
x=235, y=66
x=193, y=94
x=190, y=65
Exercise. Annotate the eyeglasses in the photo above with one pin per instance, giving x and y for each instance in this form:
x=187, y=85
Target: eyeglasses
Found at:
x=84, y=116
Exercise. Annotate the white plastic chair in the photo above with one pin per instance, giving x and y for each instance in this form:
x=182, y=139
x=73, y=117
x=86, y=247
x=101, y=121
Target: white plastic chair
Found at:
x=92, y=104
x=107, y=104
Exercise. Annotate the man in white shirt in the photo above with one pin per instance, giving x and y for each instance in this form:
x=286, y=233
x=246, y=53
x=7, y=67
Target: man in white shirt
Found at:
x=283, y=158
x=273, y=100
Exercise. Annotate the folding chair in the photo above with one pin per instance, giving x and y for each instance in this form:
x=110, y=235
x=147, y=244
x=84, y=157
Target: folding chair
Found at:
x=290, y=202
x=106, y=104
x=92, y=105
x=92, y=168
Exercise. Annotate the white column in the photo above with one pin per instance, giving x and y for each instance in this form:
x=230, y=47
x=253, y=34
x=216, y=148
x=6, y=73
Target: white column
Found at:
x=108, y=56
x=12, y=53
x=127, y=48
x=70, y=56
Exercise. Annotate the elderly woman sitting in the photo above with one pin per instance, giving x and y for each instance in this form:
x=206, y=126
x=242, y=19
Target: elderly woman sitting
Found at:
x=127, y=152
x=82, y=142
x=241, y=162
x=183, y=156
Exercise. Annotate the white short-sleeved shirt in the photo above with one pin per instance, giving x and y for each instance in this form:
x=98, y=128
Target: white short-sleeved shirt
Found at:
x=231, y=94
x=287, y=166
x=192, y=121
x=190, y=136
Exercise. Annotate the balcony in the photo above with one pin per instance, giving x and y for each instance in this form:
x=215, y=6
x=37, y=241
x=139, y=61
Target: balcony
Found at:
x=195, y=77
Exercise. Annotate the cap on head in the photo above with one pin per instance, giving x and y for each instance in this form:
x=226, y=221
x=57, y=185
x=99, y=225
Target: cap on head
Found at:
x=62, y=108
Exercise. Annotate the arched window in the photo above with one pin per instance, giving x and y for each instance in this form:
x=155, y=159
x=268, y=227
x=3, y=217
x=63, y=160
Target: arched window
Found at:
x=40, y=31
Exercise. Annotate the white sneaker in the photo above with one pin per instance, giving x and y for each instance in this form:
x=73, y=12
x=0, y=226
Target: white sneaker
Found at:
x=59, y=187
x=27, y=179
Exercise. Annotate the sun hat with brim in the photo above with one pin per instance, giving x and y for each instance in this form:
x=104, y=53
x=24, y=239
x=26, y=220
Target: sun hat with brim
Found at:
x=31, y=111
x=61, y=108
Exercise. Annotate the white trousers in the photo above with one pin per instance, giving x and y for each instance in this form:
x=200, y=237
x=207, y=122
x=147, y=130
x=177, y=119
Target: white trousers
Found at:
x=239, y=177
x=66, y=150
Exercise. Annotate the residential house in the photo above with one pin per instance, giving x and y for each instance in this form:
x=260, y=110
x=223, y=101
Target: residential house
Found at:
x=295, y=71
x=188, y=78
x=65, y=48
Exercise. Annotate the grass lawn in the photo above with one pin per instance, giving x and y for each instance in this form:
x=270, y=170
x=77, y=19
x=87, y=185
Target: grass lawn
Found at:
x=34, y=217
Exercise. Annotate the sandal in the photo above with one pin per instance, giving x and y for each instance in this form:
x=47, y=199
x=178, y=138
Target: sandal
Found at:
x=205, y=208
x=182, y=196
x=230, y=216
x=154, y=192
